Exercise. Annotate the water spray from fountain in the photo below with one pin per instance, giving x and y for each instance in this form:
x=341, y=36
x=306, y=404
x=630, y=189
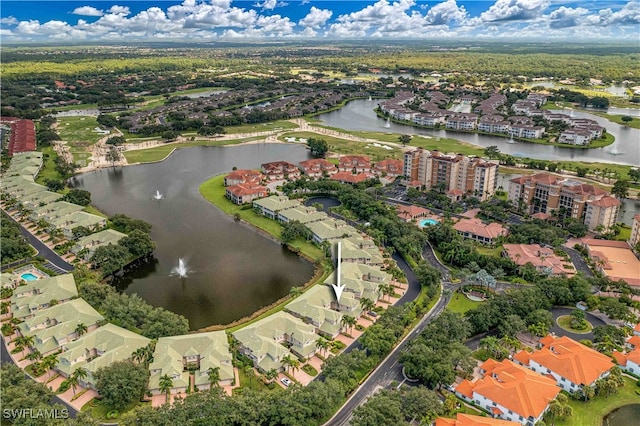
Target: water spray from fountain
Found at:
x=181, y=270
x=158, y=195
x=387, y=125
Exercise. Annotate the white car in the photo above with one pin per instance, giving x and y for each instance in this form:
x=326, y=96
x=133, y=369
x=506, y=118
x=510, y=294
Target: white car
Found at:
x=286, y=381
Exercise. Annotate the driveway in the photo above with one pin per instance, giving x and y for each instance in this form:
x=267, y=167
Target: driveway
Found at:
x=557, y=312
x=44, y=251
x=578, y=261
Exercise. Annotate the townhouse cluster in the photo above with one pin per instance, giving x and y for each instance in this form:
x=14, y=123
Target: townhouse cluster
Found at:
x=490, y=116
x=244, y=186
x=581, y=131
x=520, y=390
x=295, y=330
x=288, y=104
x=454, y=174
x=546, y=195
x=50, y=311
x=22, y=137
x=19, y=190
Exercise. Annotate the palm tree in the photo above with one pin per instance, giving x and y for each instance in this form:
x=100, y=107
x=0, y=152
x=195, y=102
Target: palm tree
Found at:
x=214, y=377
x=75, y=378
x=166, y=384
x=323, y=344
x=367, y=304
x=271, y=374
x=34, y=356
x=24, y=342
x=588, y=392
x=348, y=321
x=287, y=362
x=295, y=365
x=295, y=292
x=80, y=329
x=50, y=361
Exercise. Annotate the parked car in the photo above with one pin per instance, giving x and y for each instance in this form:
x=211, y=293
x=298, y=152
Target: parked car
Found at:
x=286, y=381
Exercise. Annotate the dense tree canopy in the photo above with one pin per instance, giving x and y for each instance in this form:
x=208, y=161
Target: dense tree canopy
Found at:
x=121, y=383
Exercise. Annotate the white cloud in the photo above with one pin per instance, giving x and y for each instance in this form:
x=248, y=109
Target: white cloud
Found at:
x=566, y=17
x=628, y=15
x=509, y=10
x=9, y=20
x=316, y=18
x=270, y=4
x=120, y=10
x=211, y=19
x=381, y=19
x=445, y=13
x=87, y=11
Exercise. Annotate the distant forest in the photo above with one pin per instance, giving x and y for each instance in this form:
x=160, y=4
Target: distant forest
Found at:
x=562, y=60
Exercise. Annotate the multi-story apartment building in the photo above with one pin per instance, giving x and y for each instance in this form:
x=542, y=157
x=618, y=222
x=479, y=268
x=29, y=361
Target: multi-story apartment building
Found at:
x=551, y=194
x=634, y=238
x=470, y=175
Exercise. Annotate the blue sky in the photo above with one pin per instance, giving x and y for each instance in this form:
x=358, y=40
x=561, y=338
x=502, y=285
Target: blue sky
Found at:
x=210, y=20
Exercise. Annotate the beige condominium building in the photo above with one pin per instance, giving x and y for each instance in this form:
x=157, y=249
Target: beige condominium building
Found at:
x=469, y=175
x=554, y=195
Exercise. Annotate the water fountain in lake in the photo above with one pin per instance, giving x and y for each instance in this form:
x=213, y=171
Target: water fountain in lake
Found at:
x=370, y=100
x=181, y=270
x=387, y=125
x=614, y=151
x=511, y=140
x=158, y=195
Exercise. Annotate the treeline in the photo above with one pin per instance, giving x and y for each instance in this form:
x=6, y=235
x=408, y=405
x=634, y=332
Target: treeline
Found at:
x=138, y=243
x=129, y=311
x=384, y=224
x=22, y=396
x=519, y=310
x=13, y=245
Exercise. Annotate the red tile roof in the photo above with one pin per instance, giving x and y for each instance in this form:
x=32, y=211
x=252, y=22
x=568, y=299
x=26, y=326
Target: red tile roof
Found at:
x=514, y=387
x=469, y=420
x=606, y=202
x=411, y=212
x=23, y=135
x=571, y=360
x=348, y=177
x=476, y=227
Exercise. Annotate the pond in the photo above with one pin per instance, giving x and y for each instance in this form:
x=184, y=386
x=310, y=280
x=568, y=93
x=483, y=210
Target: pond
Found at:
x=628, y=415
x=359, y=115
x=232, y=269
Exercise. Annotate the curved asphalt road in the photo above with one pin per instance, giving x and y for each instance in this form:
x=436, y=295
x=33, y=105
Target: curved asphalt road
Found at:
x=43, y=250
x=389, y=369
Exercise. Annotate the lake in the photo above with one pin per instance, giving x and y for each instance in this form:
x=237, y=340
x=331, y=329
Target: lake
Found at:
x=359, y=115
x=628, y=415
x=234, y=269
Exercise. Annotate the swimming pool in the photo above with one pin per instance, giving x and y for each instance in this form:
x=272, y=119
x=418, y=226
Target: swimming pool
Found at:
x=28, y=277
x=428, y=222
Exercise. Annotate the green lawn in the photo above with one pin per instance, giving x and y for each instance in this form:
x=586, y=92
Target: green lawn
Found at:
x=490, y=251
x=592, y=413
x=251, y=381
x=461, y=304
x=625, y=232
x=48, y=170
x=564, y=322
x=159, y=153
x=344, y=146
x=78, y=131
x=262, y=127
x=635, y=123
x=213, y=190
